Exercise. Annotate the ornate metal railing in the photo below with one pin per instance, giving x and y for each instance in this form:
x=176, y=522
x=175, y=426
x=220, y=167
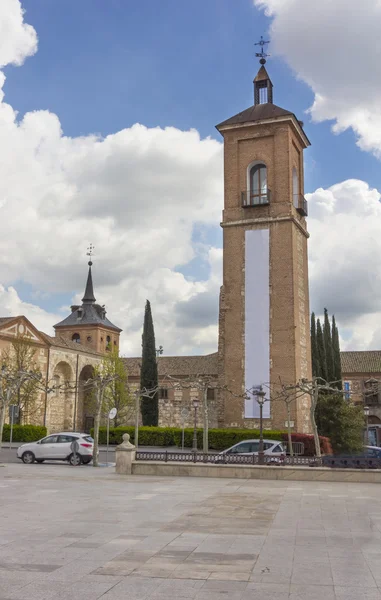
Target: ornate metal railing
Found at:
x=255, y=198
x=222, y=459
x=340, y=462
x=351, y=462
x=301, y=205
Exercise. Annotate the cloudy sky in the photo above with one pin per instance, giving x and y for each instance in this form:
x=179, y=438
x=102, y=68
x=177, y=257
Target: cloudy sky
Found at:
x=107, y=115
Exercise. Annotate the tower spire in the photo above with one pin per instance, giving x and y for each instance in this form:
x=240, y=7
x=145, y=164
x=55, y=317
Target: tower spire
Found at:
x=89, y=297
x=263, y=87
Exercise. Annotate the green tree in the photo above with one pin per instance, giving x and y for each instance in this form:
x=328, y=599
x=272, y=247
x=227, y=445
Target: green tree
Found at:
x=328, y=347
x=322, y=358
x=117, y=394
x=336, y=352
x=314, y=348
x=148, y=372
x=342, y=422
x=19, y=357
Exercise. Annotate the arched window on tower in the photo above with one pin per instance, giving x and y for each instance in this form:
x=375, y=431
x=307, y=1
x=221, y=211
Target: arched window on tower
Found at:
x=76, y=338
x=257, y=192
x=295, y=187
x=108, y=343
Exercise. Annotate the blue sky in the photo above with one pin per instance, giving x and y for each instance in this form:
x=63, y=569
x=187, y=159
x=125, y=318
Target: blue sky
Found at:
x=103, y=66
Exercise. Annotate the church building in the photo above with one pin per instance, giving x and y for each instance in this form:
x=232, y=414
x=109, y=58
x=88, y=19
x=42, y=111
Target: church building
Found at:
x=80, y=342
x=264, y=338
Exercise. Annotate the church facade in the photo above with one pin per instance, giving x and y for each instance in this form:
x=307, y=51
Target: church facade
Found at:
x=66, y=361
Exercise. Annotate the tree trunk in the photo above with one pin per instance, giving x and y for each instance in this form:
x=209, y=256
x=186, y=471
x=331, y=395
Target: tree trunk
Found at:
x=2, y=420
x=289, y=430
x=206, y=421
x=314, y=399
x=97, y=422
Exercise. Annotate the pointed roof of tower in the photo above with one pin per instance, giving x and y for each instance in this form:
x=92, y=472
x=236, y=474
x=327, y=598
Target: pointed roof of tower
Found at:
x=89, y=297
x=262, y=75
x=263, y=110
x=89, y=313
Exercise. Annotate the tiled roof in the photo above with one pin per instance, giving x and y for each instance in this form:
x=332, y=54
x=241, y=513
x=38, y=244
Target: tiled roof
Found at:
x=367, y=361
x=60, y=342
x=257, y=112
x=178, y=365
x=92, y=314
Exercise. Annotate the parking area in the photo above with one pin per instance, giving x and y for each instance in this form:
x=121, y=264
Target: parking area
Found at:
x=87, y=533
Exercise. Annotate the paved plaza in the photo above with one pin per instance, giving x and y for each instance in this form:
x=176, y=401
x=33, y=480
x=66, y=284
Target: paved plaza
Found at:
x=86, y=533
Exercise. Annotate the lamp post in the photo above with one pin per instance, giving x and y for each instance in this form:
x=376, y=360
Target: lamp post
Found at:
x=366, y=415
x=195, y=406
x=260, y=394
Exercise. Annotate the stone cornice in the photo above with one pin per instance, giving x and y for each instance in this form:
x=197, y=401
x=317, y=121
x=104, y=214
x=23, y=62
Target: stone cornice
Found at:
x=265, y=221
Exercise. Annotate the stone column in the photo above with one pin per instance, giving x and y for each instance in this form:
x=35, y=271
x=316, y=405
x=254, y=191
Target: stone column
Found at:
x=124, y=456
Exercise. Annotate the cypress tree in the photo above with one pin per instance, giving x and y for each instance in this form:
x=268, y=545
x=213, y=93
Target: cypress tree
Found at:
x=336, y=352
x=328, y=347
x=321, y=351
x=314, y=348
x=148, y=372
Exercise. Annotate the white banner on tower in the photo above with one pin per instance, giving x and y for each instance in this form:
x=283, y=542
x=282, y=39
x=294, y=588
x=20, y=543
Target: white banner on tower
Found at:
x=257, y=317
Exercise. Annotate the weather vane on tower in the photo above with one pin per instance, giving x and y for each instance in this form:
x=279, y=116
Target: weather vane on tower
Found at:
x=90, y=252
x=262, y=54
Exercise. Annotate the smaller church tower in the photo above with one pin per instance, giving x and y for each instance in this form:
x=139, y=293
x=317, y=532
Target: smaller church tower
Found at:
x=87, y=324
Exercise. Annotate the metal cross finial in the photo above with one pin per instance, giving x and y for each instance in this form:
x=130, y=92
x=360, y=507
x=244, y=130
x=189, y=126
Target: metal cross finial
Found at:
x=90, y=252
x=262, y=54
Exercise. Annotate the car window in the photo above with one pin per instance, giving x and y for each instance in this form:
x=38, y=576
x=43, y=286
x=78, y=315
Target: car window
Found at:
x=278, y=448
x=52, y=439
x=88, y=438
x=254, y=447
x=268, y=445
x=245, y=447
x=66, y=439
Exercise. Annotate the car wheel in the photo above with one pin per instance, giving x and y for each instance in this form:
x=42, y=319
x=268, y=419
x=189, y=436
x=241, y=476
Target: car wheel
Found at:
x=75, y=460
x=28, y=457
x=39, y=460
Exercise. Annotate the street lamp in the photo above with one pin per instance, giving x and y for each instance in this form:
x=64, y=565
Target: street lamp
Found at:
x=195, y=406
x=260, y=395
x=366, y=415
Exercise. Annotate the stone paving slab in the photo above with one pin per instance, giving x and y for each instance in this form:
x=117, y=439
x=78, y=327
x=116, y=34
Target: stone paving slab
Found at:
x=89, y=534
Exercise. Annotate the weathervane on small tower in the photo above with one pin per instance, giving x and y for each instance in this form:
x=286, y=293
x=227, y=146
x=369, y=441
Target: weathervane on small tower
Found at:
x=262, y=54
x=90, y=252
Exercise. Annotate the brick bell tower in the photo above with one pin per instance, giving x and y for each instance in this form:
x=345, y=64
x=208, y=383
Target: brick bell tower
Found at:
x=264, y=334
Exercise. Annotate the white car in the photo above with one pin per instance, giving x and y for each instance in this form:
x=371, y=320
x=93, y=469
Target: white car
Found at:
x=249, y=447
x=59, y=446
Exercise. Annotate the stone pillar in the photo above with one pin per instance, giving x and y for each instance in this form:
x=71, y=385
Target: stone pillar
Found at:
x=124, y=456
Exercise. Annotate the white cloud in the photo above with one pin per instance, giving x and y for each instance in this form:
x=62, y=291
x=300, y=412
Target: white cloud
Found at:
x=12, y=305
x=137, y=195
x=18, y=40
x=344, y=251
x=335, y=47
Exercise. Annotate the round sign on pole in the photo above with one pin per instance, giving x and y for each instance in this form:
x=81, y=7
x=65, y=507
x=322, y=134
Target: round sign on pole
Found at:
x=184, y=413
x=112, y=413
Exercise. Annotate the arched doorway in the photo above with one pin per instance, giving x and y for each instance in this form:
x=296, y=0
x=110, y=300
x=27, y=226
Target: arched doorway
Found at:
x=86, y=408
x=61, y=402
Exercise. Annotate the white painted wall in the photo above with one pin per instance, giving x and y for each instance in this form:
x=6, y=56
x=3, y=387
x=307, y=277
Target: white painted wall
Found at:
x=257, y=317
